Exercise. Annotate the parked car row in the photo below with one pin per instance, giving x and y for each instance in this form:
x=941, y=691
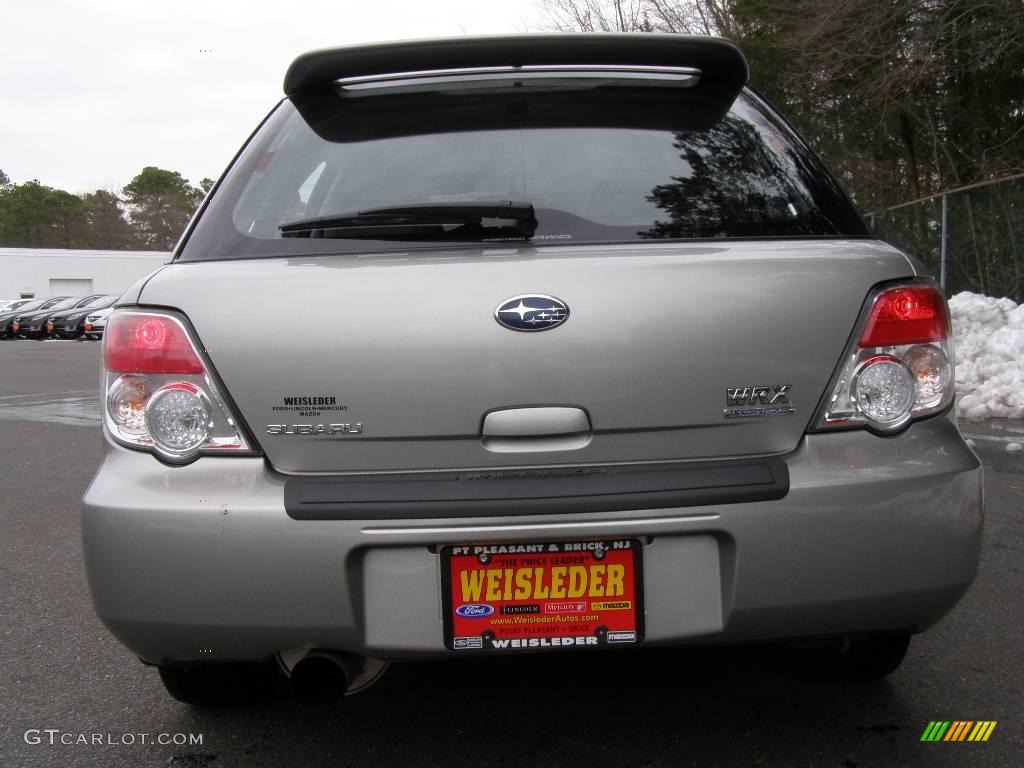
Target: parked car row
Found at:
x=57, y=317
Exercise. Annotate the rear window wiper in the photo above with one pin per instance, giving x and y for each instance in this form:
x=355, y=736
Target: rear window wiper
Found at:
x=422, y=219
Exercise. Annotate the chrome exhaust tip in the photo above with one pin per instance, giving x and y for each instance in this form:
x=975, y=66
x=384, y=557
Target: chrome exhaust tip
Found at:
x=323, y=677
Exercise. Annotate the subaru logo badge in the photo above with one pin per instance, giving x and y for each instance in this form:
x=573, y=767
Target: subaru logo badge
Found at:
x=531, y=312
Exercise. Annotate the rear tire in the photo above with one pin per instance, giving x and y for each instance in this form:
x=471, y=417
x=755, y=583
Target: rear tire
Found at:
x=205, y=684
x=865, y=659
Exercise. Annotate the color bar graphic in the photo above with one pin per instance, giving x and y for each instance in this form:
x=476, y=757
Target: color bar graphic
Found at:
x=958, y=730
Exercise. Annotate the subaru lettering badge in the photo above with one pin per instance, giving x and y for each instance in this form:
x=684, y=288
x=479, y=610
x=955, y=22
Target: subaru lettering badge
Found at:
x=531, y=312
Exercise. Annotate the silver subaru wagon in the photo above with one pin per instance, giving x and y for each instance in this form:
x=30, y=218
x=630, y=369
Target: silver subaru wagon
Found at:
x=565, y=344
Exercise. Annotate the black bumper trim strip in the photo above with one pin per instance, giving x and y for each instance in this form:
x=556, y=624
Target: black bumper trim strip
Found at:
x=500, y=492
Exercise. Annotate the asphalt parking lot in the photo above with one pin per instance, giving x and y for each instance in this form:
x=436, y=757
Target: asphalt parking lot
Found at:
x=708, y=707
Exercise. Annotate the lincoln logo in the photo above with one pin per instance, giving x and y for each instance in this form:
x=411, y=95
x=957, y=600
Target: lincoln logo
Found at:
x=531, y=312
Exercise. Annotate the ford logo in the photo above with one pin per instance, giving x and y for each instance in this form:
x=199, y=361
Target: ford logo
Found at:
x=474, y=610
x=531, y=312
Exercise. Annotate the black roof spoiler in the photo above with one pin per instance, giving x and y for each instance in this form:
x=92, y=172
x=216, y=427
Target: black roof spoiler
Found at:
x=721, y=63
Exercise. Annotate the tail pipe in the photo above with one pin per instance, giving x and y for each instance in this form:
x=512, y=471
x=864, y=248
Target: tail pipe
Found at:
x=322, y=677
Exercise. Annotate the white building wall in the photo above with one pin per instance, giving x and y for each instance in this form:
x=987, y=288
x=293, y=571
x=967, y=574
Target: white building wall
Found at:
x=31, y=270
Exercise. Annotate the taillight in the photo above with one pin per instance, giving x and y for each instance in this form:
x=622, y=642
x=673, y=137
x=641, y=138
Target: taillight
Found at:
x=906, y=315
x=149, y=343
x=157, y=392
x=901, y=366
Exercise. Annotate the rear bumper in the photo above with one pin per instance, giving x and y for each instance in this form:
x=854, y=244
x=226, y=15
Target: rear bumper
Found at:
x=874, y=534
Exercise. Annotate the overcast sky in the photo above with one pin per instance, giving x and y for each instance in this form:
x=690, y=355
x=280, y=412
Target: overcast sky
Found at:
x=91, y=91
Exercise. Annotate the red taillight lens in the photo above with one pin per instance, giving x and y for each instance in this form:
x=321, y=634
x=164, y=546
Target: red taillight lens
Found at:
x=158, y=394
x=912, y=314
x=901, y=367
x=138, y=343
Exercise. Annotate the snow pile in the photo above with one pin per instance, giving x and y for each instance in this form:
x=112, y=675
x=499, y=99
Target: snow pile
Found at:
x=989, y=338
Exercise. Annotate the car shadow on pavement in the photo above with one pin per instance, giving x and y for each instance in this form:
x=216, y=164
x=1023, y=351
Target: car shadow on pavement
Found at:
x=722, y=706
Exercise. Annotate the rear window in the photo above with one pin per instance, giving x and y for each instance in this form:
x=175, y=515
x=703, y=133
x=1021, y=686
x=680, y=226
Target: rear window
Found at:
x=599, y=166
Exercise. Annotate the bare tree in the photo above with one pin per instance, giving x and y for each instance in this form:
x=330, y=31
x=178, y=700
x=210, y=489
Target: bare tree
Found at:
x=699, y=17
x=595, y=15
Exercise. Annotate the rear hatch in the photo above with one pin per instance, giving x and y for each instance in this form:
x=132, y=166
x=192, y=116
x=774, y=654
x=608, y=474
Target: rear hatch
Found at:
x=696, y=242
x=408, y=348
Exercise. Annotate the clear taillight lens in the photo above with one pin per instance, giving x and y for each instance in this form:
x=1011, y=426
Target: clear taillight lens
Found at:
x=901, y=367
x=158, y=394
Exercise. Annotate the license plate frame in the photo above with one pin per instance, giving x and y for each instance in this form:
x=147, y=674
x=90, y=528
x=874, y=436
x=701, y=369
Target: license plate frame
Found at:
x=508, y=618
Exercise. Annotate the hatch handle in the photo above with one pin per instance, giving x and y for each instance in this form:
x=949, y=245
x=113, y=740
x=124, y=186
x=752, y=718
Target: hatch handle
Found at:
x=541, y=428
x=536, y=422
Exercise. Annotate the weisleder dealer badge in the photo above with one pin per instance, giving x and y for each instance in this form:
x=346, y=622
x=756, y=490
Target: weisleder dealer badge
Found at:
x=533, y=596
x=309, y=405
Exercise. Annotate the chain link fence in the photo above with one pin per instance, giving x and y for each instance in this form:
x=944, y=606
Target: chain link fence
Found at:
x=972, y=237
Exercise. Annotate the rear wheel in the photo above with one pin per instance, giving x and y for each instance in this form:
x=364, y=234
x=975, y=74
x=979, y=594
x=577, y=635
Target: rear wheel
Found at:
x=861, y=660
x=210, y=684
